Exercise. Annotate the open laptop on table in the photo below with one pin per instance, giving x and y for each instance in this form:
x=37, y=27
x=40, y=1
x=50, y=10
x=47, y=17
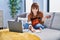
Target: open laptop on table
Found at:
x=15, y=26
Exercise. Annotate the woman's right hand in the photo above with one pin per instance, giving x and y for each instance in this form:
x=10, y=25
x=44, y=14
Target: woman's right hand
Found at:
x=31, y=28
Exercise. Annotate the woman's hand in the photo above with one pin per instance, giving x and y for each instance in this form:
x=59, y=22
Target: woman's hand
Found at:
x=49, y=16
x=43, y=19
x=31, y=28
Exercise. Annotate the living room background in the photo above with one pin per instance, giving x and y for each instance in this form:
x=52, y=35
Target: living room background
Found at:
x=25, y=8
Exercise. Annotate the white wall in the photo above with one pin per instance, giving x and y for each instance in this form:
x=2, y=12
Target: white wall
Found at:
x=6, y=15
x=54, y=6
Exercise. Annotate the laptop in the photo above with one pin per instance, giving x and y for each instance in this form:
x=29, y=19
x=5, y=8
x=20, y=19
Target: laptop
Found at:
x=15, y=26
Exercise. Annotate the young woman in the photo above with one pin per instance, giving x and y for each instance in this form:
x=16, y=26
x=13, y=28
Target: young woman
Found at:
x=35, y=18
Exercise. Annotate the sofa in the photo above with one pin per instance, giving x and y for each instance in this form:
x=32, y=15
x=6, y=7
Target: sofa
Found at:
x=52, y=26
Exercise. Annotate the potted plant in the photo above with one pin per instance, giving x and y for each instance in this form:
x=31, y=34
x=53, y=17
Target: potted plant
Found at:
x=14, y=6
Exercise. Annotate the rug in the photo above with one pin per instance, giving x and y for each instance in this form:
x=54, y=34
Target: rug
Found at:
x=6, y=35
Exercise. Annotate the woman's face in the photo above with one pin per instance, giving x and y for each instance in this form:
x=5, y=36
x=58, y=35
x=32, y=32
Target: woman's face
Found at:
x=34, y=10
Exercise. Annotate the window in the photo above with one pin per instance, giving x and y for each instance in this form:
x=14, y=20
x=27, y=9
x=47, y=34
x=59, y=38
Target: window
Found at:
x=27, y=5
x=24, y=5
x=47, y=5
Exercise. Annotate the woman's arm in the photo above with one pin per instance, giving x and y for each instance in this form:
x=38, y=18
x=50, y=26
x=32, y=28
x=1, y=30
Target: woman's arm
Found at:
x=30, y=24
x=43, y=19
x=29, y=19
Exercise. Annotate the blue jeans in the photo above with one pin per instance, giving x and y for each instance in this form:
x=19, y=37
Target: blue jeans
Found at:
x=37, y=26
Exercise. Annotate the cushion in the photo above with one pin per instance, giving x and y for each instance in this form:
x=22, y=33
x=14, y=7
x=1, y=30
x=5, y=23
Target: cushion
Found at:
x=23, y=15
x=47, y=22
x=56, y=21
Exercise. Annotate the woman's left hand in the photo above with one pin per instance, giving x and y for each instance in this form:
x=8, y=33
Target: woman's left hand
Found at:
x=43, y=19
x=49, y=16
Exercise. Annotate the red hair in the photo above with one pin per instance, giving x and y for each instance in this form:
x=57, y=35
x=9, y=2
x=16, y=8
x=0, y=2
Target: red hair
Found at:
x=33, y=6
